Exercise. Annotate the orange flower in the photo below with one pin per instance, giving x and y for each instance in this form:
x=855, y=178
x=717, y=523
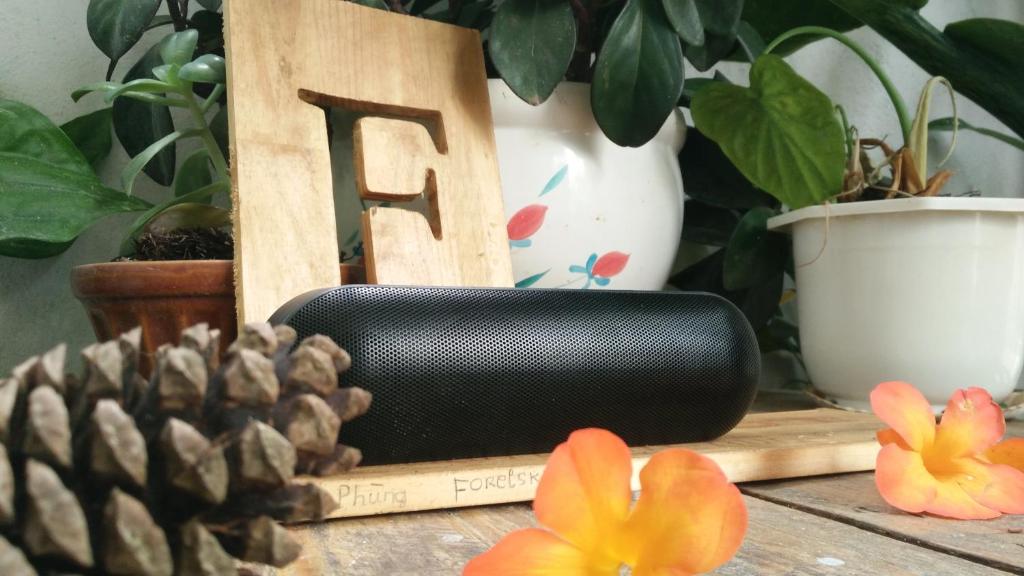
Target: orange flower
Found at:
x=688, y=518
x=955, y=469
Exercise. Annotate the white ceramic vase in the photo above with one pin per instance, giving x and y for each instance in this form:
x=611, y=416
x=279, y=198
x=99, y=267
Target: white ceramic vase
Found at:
x=926, y=290
x=583, y=212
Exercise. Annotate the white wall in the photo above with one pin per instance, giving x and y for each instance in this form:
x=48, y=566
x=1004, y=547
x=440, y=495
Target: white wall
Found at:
x=45, y=52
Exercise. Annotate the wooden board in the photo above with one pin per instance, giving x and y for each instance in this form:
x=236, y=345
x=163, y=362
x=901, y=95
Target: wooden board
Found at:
x=779, y=541
x=763, y=446
x=288, y=58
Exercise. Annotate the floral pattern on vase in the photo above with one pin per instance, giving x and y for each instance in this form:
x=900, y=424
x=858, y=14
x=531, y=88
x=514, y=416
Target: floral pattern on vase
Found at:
x=600, y=270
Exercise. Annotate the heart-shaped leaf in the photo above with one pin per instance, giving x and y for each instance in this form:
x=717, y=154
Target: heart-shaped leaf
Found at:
x=116, y=25
x=208, y=68
x=685, y=19
x=25, y=131
x=91, y=134
x=754, y=255
x=178, y=48
x=139, y=124
x=44, y=207
x=639, y=74
x=531, y=44
x=193, y=174
x=781, y=132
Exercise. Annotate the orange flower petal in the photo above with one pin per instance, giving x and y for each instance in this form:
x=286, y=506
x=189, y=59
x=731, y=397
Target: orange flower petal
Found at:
x=902, y=479
x=688, y=519
x=995, y=486
x=952, y=501
x=1009, y=452
x=903, y=408
x=534, y=552
x=971, y=424
x=890, y=436
x=584, y=494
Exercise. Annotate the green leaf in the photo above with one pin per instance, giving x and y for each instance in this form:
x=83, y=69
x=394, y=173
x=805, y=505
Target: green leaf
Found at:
x=716, y=47
x=116, y=25
x=531, y=44
x=193, y=174
x=378, y=4
x=201, y=195
x=178, y=48
x=754, y=255
x=188, y=215
x=132, y=168
x=25, y=131
x=999, y=39
x=639, y=74
x=219, y=129
x=749, y=41
x=773, y=17
x=685, y=20
x=139, y=124
x=211, y=5
x=782, y=132
x=92, y=134
x=760, y=302
x=947, y=125
x=95, y=87
x=211, y=31
x=707, y=224
x=208, y=68
x=142, y=85
x=709, y=176
x=160, y=20
x=720, y=16
x=531, y=280
x=44, y=207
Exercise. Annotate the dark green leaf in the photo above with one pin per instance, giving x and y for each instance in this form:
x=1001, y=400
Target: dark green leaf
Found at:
x=188, y=215
x=211, y=5
x=946, y=125
x=715, y=48
x=421, y=6
x=134, y=166
x=193, y=174
x=710, y=177
x=211, y=31
x=143, y=85
x=720, y=16
x=749, y=41
x=178, y=48
x=201, y=195
x=760, y=302
x=378, y=4
x=782, y=132
x=116, y=25
x=139, y=124
x=25, y=131
x=703, y=276
x=91, y=134
x=160, y=20
x=692, y=85
x=43, y=207
x=754, y=255
x=639, y=74
x=685, y=20
x=999, y=39
x=208, y=68
x=707, y=224
x=531, y=44
x=773, y=17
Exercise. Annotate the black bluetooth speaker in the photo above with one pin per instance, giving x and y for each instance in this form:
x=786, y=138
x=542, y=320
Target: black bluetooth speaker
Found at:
x=467, y=372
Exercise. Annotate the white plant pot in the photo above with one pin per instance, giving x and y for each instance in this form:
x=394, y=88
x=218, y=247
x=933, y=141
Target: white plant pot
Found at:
x=583, y=212
x=926, y=290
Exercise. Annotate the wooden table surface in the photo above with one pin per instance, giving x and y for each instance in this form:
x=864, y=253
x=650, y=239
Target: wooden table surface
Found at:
x=824, y=525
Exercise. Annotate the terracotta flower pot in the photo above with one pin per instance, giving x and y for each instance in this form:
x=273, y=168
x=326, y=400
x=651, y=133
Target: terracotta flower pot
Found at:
x=164, y=298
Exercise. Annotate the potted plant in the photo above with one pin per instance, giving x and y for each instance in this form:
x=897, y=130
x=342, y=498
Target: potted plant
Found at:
x=884, y=269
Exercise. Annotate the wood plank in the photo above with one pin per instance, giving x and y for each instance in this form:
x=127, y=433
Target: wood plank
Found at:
x=779, y=541
x=853, y=499
x=763, y=446
x=288, y=58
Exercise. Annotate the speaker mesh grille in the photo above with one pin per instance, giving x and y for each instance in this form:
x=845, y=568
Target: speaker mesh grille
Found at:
x=463, y=372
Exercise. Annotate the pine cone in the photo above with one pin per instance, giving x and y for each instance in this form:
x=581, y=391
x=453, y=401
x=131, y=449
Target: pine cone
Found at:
x=110, y=474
